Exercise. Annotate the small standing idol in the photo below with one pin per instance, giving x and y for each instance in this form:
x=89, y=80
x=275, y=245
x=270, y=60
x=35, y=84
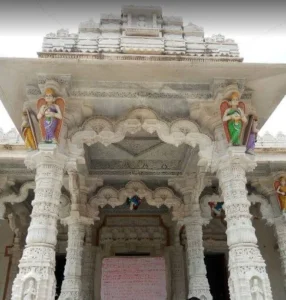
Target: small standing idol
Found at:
x=280, y=187
x=51, y=111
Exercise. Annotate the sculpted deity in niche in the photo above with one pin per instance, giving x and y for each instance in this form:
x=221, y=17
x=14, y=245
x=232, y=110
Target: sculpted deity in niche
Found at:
x=28, y=131
x=233, y=117
x=30, y=291
x=141, y=22
x=256, y=290
x=280, y=187
x=50, y=115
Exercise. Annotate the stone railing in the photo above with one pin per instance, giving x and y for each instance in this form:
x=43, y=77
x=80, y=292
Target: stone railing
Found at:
x=269, y=141
x=12, y=137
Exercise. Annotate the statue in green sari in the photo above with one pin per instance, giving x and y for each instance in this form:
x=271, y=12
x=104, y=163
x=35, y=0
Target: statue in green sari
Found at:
x=233, y=117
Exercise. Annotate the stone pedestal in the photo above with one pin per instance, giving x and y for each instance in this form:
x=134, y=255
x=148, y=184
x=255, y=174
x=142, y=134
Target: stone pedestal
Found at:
x=72, y=285
x=36, y=278
x=248, y=278
x=198, y=282
x=280, y=229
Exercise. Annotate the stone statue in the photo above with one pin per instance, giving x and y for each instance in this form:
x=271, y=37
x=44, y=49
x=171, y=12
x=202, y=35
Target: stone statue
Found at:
x=50, y=115
x=141, y=21
x=256, y=291
x=280, y=187
x=30, y=292
x=28, y=131
x=233, y=117
x=251, y=134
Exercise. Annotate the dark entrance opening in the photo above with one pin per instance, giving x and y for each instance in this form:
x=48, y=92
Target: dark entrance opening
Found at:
x=59, y=272
x=217, y=275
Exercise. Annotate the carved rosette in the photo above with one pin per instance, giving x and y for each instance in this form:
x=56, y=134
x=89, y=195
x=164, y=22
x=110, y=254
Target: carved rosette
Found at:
x=280, y=228
x=198, y=282
x=38, y=261
x=72, y=285
x=245, y=260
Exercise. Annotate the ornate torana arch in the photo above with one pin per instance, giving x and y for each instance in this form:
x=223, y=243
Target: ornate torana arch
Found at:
x=103, y=130
x=160, y=196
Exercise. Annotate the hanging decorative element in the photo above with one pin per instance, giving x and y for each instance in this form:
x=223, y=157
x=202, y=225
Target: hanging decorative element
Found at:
x=216, y=208
x=134, y=202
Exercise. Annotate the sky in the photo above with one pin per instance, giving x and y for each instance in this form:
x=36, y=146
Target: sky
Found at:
x=259, y=28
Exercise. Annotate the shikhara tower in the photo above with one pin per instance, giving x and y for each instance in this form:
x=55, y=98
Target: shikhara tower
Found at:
x=140, y=120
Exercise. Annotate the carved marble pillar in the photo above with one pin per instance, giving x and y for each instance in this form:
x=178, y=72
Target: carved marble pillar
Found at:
x=88, y=266
x=36, y=278
x=280, y=229
x=246, y=265
x=80, y=217
x=72, y=285
x=198, y=282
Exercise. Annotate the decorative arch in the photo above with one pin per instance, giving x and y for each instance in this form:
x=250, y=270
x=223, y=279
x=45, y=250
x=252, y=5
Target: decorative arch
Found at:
x=99, y=129
x=160, y=196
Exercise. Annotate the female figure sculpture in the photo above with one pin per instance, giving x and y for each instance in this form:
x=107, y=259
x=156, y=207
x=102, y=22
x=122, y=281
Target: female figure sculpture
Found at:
x=251, y=134
x=30, y=292
x=28, y=131
x=280, y=187
x=50, y=115
x=233, y=117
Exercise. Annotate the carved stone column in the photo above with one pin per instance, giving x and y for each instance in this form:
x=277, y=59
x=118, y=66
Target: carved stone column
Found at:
x=72, y=285
x=191, y=187
x=198, y=282
x=88, y=266
x=36, y=277
x=80, y=217
x=280, y=229
x=246, y=265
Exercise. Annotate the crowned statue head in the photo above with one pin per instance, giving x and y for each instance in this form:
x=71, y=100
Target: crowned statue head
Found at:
x=234, y=99
x=49, y=95
x=282, y=180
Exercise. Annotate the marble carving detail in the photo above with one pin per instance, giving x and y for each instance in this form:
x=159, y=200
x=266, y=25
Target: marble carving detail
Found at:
x=280, y=229
x=38, y=261
x=245, y=260
x=105, y=131
x=158, y=197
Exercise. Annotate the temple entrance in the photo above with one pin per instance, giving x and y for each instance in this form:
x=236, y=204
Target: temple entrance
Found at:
x=217, y=275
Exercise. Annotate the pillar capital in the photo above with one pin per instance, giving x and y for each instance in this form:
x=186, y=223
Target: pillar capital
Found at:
x=235, y=156
x=47, y=154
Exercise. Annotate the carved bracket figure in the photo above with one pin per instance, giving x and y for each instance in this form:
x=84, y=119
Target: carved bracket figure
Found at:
x=233, y=117
x=50, y=114
x=280, y=188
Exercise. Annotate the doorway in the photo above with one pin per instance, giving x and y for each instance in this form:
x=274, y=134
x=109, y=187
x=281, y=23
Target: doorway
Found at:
x=217, y=275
